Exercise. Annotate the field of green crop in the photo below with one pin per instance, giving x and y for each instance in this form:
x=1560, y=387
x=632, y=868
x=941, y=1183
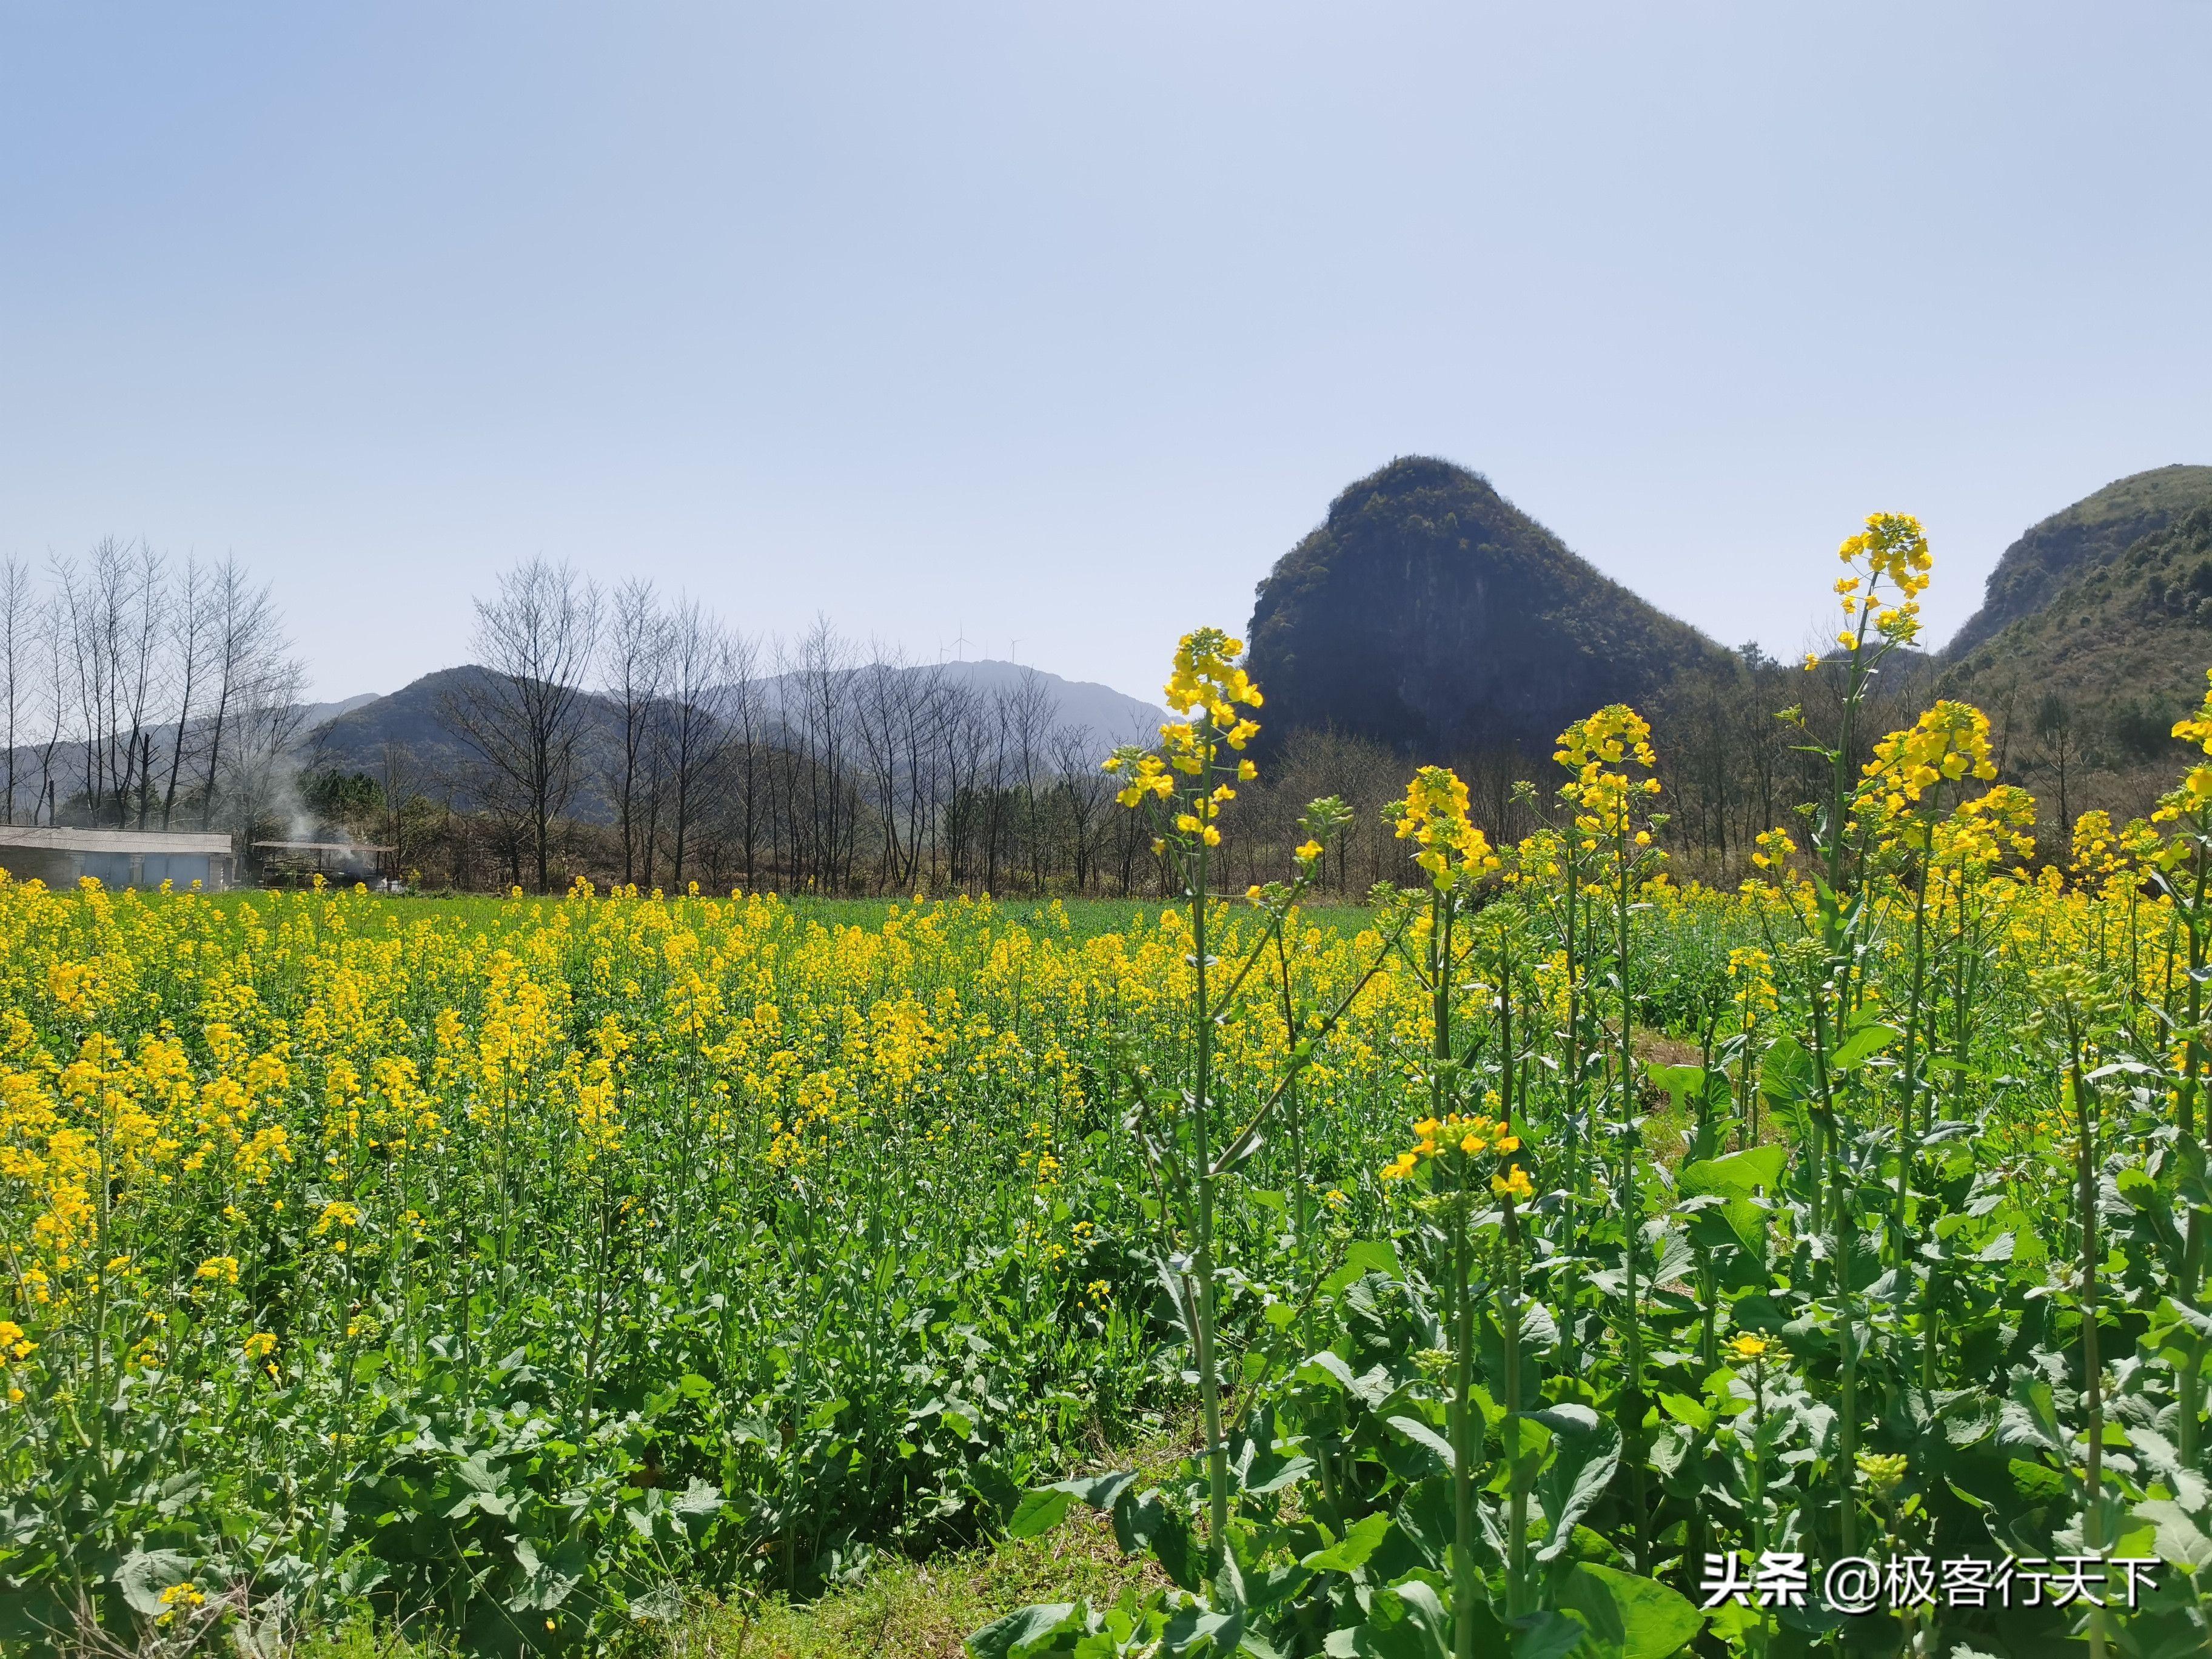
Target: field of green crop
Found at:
x=1546, y=1259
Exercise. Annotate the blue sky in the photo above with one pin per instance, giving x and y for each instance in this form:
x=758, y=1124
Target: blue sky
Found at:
x=1059, y=325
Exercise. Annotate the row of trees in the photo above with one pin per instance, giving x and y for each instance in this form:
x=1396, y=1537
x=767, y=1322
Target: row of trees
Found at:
x=1729, y=766
x=140, y=691
x=635, y=738
x=646, y=740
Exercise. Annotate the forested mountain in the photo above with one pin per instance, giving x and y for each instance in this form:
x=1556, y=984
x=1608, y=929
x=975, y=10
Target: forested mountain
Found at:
x=412, y=717
x=417, y=717
x=828, y=774
x=1429, y=617
x=1429, y=613
x=1113, y=717
x=2071, y=543
x=2091, y=680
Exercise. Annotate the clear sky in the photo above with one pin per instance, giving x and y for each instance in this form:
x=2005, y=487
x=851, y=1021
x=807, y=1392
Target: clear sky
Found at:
x=1057, y=323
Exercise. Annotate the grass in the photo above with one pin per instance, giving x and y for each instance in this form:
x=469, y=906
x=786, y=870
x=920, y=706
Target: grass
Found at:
x=905, y=1609
x=920, y=1609
x=902, y=1609
x=898, y=1609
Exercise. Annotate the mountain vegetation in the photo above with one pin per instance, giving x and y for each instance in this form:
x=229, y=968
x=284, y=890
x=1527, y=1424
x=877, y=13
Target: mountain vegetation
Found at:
x=1428, y=613
x=2057, y=551
x=675, y=751
x=644, y=740
x=2090, y=682
x=1429, y=617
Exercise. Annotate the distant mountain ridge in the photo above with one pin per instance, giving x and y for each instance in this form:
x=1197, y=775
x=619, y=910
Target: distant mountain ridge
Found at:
x=414, y=718
x=2059, y=549
x=1113, y=716
x=1428, y=612
x=2116, y=654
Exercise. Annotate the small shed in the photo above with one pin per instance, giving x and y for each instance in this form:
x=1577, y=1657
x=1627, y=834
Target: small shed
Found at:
x=301, y=861
x=116, y=858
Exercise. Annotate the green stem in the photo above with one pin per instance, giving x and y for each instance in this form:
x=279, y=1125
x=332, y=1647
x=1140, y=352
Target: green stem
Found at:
x=1465, y=1577
x=1209, y=1381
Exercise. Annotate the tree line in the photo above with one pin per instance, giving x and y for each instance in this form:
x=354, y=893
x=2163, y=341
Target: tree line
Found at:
x=632, y=736
x=139, y=691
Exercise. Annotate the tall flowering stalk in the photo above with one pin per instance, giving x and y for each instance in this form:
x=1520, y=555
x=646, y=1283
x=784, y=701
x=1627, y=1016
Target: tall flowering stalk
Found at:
x=1551, y=867
x=1612, y=832
x=1463, y=1161
x=1454, y=856
x=1963, y=851
x=2186, y=871
x=2072, y=1000
x=1752, y=997
x=1901, y=796
x=1186, y=781
x=1887, y=567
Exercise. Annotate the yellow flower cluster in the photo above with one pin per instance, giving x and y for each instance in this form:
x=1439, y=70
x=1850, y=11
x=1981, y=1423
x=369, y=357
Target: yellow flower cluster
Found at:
x=1949, y=743
x=1597, y=750
x=1207, y=682
x=1458, y=1140
x=1751, y=984
x=1433, y=815
x=1892, y=548
x=1206, y=678
x=1772, y=849
x=1986, y=830
x=14, y=1346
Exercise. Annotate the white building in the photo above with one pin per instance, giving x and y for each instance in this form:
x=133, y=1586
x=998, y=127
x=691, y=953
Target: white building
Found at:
x=116, y=858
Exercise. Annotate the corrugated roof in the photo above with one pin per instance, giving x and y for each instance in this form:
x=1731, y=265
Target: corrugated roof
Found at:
x=46, y=838
x=317, y=847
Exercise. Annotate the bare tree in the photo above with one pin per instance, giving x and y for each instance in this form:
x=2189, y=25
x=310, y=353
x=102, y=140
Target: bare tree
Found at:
x=137, y=667
x=1085, y=793
x=691, y=728
x=189, y=630
x=400, y=781
x=260, y=765
x=53, y=684
x=247, y=642
x=815, y=717
x=929, y=709
x=19, y=621
x=2058, y=740
x=889, y=724
x=114, y=604
x=523, y=716
x=748, y=798
x=636, y=670
x=1027, y=709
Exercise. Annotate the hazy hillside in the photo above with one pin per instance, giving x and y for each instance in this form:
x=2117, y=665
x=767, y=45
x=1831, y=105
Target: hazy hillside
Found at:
x=2069, y=543
x=69, y=758
x=1430, y=613
x=2111, y=659
x=413, y=717
x=1111, y=715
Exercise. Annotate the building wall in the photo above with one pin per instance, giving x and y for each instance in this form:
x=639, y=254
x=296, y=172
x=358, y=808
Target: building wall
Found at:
x=57, y=869
x=116, y=870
